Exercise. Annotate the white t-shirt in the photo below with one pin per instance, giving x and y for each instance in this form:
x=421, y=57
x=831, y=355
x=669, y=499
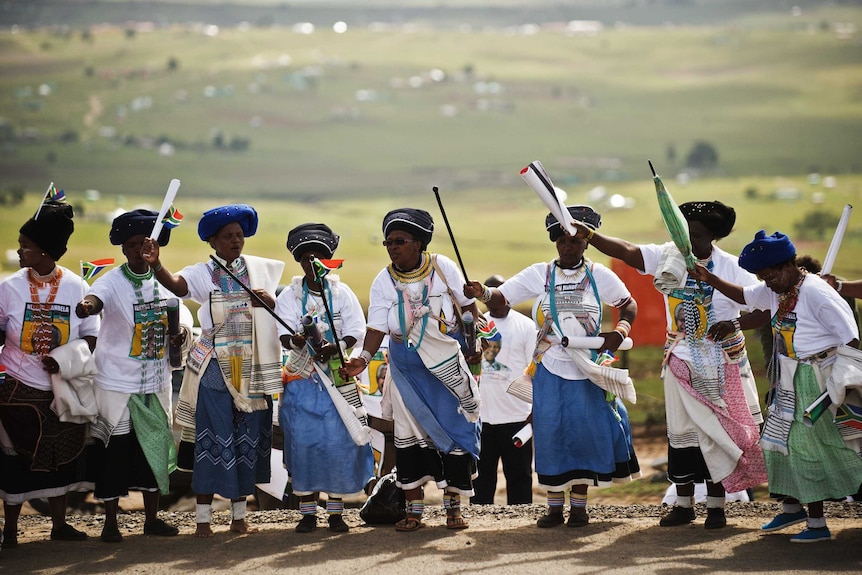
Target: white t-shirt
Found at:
x=725, y=266
x=503, y=361
x=199, y=279
x=345, y=307
x=17, y=355
x=128, y=330
x=570, y=285
x=383, y=306
x=821, y=319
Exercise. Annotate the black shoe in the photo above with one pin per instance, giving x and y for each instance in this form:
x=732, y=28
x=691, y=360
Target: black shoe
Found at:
x=715, y=518
x=160, y=528
x=678, y=516
x=67, y=533
x=307, y=524
x=337, y=524
x=578, y=517
x=10, y=540
x=111, y=535
x=551, y=519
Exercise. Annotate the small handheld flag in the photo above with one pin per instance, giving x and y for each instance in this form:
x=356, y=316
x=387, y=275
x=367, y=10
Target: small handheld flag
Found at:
x=51, y=194
x=323, y=267
x=488, y=332
x=89, y=270
x=172, y=219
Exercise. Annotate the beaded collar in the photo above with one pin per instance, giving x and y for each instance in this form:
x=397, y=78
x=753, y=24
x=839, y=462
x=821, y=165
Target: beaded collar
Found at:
x=414, y=275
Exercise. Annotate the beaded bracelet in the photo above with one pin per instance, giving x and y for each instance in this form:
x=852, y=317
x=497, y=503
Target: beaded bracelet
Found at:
x=735, y=323
x=623, y=328
x=590, y=233
x=365, y=355
x=487, y=294
x=838, y=285
x=157, y=268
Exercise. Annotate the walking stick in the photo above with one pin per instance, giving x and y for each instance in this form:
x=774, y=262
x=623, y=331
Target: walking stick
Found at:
x=451, y=236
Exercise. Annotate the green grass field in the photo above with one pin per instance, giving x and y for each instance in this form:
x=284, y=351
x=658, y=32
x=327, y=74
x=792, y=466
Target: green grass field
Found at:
x=358, y=114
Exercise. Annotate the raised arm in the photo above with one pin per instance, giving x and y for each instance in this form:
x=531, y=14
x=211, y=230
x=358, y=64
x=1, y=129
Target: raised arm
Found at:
x=731, y=290
x=845, y=288
x=617, y=248
x=175, y=283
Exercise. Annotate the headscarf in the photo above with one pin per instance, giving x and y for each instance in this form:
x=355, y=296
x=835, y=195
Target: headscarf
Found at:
x=52, y=230
x=215, y=219
x=312, y=237
x=766, y=251
x=135, y=223
x=417, y=223
x=584, y=214
x=715, y=216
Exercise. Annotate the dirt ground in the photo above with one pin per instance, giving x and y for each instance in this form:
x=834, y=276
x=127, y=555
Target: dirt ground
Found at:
x=620, y=539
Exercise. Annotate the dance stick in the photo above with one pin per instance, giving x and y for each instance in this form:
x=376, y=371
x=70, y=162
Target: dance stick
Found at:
x=595, y=342
x=523, y=436
x=535, y=176
x=254, y=296
x=166, y=205
x=451, y=236
x=832, y=252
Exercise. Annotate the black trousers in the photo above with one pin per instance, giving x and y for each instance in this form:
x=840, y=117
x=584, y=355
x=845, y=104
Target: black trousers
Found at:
x=517, y=465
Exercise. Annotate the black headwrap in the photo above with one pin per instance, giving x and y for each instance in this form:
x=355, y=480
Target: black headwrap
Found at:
x=136, y=223
x=417, y=223
x=584, y=214
x=715, y=216
x=312, y=237
x=52, y=229
x=766, y=251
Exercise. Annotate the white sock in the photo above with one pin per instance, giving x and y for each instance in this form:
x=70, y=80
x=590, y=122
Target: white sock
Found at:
x=203, y=513
x=237, y=510
x=714, y=502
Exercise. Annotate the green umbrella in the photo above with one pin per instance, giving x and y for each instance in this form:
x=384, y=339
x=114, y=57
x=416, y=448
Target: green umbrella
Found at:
x=674, y=221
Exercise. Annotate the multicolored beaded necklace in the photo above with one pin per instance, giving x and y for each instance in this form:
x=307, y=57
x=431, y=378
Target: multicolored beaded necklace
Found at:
x=43, y=330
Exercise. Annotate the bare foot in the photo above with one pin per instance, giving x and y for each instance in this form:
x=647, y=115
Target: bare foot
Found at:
x=240, y=526
x=203, y=530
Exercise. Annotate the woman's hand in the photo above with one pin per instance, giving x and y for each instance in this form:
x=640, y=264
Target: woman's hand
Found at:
x=352, y=368
x=613, y=340
x=700, y=273
x=721, y=330
x=150, y=252
x=473, y=289
x=50, y=364
x=325, y=352
x=265, y=297
x=179, y=339
x=85, y=308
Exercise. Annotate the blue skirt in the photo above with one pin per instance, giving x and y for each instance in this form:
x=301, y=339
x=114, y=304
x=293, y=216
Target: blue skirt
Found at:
x=232, y=448
x=319, y=453
x=579, y=437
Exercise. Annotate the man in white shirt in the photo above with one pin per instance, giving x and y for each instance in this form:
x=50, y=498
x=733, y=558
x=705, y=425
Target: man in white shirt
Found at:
x=505, y=357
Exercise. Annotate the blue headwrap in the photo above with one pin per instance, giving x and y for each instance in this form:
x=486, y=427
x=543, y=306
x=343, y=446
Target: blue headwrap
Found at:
x=766, y=251
x=135, y=223
x=215, y=219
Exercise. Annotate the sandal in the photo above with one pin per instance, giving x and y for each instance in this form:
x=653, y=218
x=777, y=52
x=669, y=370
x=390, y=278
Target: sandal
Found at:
x=409, y=523
x=456, y=523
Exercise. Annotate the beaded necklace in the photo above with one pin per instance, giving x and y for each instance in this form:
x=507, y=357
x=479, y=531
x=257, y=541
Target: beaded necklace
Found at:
x=151, y=318
x=43, y=327
x=412, y=301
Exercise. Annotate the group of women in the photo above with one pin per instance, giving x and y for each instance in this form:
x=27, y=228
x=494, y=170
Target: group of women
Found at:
x=234, y=369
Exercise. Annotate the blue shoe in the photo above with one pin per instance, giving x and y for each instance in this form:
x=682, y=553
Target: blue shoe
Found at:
x=783, y=520
x=812, y=535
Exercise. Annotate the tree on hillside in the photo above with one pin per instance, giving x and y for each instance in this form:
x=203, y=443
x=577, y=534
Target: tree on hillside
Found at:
x=703, y=156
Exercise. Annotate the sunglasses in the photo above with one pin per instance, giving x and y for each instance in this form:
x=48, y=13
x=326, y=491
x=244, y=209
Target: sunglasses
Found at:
x=397, y=242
